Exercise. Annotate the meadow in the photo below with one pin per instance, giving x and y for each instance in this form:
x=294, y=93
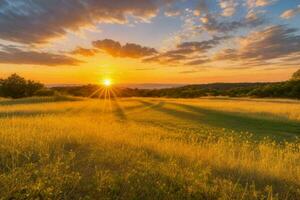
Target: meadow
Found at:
x=143, y=148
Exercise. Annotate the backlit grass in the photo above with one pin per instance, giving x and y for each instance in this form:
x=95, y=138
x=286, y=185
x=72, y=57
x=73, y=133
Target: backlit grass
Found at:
x=149, y=149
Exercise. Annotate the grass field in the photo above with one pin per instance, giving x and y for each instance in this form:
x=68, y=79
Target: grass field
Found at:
x=65, y=148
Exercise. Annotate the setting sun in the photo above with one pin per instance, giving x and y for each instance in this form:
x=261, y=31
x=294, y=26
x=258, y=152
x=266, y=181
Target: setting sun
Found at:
x=107, y=82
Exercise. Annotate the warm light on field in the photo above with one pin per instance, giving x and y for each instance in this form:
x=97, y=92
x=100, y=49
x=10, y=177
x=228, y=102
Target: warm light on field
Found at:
x=151, y=146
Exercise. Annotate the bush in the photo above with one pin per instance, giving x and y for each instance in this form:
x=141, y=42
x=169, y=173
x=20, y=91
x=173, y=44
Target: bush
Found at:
x=16, y=86
x=45, y=92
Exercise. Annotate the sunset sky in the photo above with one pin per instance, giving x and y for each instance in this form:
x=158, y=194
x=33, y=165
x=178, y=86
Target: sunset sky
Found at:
x=150, y=41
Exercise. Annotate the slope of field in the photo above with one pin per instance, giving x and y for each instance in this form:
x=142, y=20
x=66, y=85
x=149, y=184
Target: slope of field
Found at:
x=64, y=148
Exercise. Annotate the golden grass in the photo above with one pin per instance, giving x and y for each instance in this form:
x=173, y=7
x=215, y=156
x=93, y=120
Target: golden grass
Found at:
x=130, y=150
x=281, y=108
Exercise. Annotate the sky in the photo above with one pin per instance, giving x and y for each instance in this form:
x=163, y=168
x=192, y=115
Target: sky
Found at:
x=150, y=41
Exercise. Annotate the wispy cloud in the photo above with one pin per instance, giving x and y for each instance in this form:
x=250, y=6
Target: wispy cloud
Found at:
x=272, y=43
x=187, y=53
x=290, y=13
x=15, y=55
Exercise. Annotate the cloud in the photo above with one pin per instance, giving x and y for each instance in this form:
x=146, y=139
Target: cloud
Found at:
x=198, y=62
x=290, y=13
x=172, y=12
x=214, y=22
x=36, y=21
x=187, y=53
x=15, y=55
x=202, y=8
x=129, y=50
x=210, y=23
x=202, y=46
x=268, y=45
x=228, y=6
x=259, y=3
x=84, y=52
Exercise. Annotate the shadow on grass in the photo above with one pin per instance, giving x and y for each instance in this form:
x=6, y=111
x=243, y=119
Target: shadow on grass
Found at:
x=121, y=112
x=118, y=110
x=98, y=158
x=37, y=100
x=260, y=127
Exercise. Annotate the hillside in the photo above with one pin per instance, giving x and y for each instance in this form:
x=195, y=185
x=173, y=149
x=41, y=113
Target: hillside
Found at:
x=287, y=89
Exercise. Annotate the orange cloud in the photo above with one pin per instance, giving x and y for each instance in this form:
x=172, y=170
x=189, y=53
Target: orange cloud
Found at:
x=129, y=50
x=259, y=3
x=84, y=52
x=290, y=13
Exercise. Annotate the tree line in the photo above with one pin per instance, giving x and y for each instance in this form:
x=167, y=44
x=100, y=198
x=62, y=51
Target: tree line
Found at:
x=17, y=87
x=286, y=89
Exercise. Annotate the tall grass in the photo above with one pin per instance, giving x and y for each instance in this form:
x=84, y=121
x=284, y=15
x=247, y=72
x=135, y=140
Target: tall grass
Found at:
x=278, y=108
x=127, y=150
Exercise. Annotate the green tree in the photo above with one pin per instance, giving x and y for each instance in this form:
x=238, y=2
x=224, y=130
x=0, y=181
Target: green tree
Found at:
x=32, y=87
x=1, y=82
x=16, y=86
x=296, y=75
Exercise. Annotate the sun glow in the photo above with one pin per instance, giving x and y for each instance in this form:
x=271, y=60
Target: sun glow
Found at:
x=107, y=82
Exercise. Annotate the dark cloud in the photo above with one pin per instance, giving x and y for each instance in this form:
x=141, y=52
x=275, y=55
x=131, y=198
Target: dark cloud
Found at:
x=129, y=50
x=271, y=43
x=202, y=46
x=15, y=55
x=187, y=51
x=211, y=23
x=38, y=21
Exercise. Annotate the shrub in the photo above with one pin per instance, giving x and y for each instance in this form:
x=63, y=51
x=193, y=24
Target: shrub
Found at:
x=16, y=86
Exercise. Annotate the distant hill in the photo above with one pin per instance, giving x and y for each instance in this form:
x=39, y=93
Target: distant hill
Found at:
x=288, y=89
x=225, y=86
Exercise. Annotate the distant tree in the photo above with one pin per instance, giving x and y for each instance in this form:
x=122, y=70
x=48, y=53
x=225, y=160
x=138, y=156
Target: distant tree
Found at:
x=32, y=87
x=1, y=82
x=296, y=75
x=16, y=86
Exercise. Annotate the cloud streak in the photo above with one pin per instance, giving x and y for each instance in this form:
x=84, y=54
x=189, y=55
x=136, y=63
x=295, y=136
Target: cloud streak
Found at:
x=36, y=21
x=84, y=52
x=272, y=43
x=188, y=53
x=15, y=55
x=290, y=13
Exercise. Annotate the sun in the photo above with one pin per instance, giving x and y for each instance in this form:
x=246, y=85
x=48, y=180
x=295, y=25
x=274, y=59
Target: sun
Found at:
x=107, y=82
